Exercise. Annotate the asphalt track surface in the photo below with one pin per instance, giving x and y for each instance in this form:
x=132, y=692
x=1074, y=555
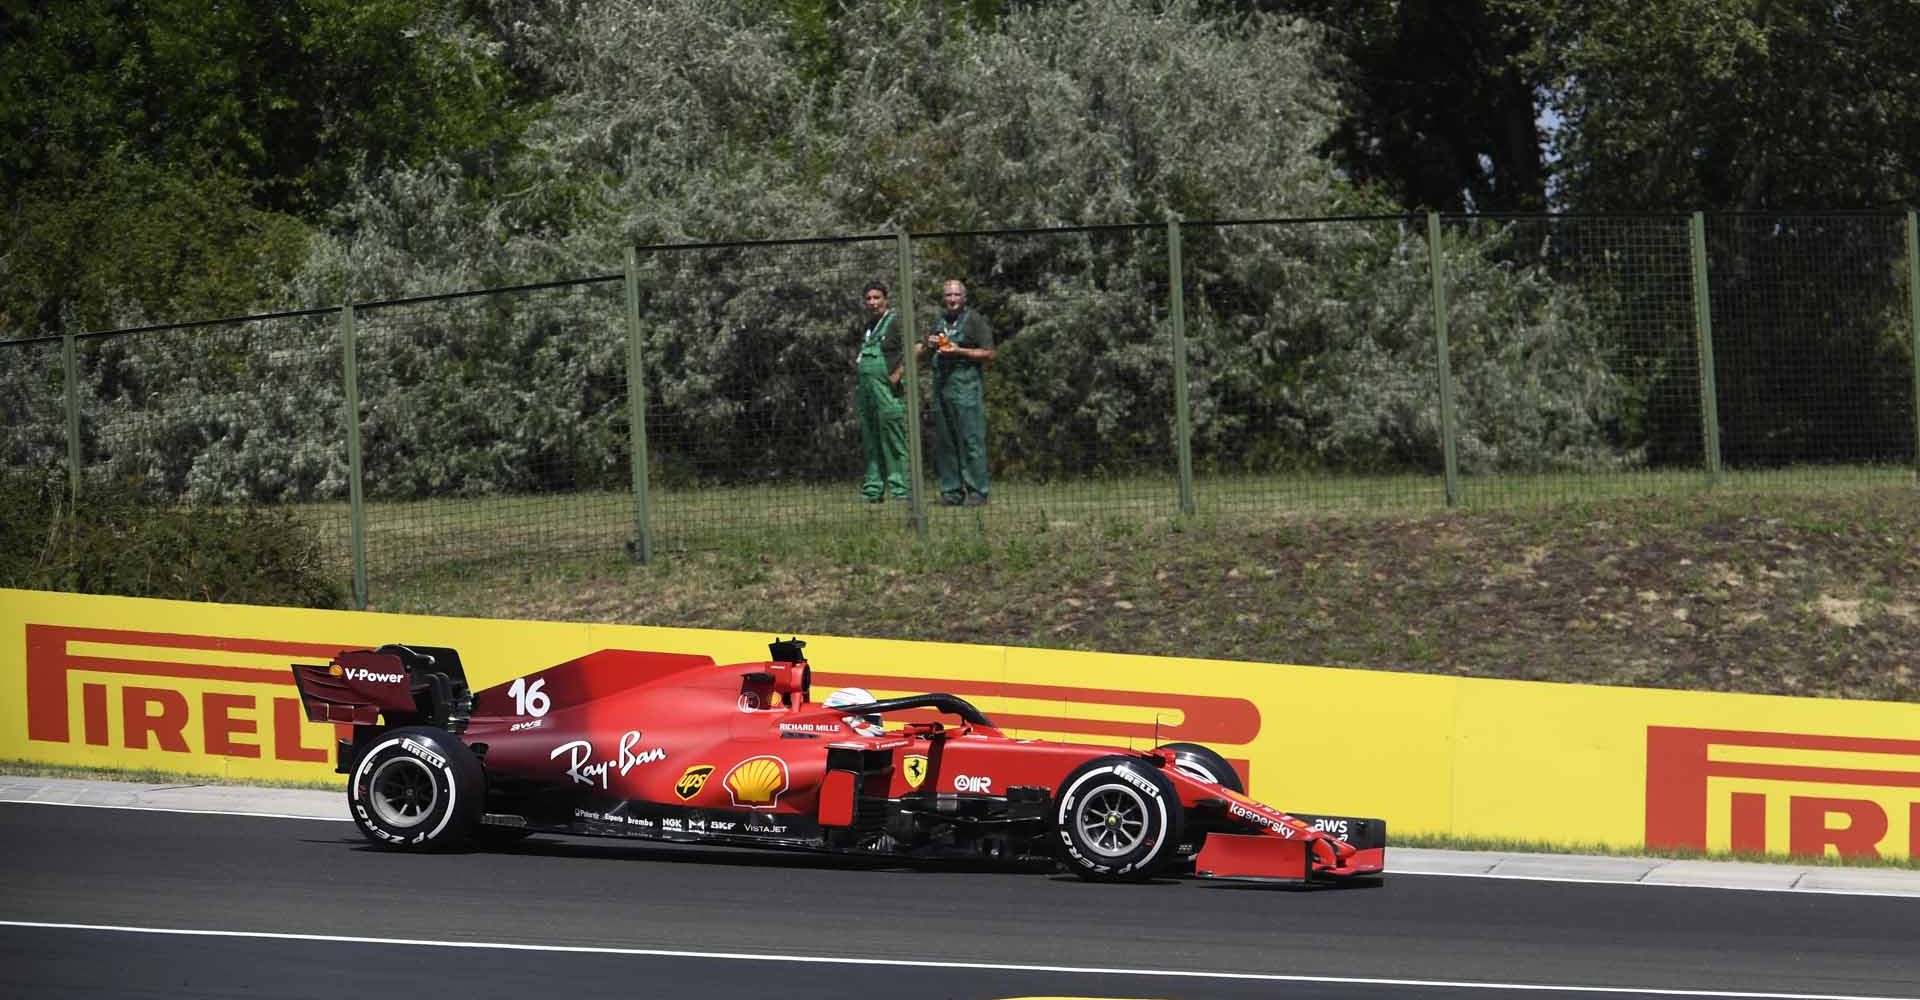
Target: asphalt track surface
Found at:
x=112, y=902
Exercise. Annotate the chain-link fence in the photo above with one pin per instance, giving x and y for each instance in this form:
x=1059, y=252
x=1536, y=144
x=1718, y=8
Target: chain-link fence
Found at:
x=1141, y=374
x=244, y=411
x=1311, y=385
x=749, y=354
x=33, y=403
x=1079, y=400
x=1576, y=355
x=1812, y=336
x=492, y=427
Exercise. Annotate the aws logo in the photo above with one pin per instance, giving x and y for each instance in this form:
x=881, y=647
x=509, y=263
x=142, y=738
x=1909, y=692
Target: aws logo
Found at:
x=692, y=780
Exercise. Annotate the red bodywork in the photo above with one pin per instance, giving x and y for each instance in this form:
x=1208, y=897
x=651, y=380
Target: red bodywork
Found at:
x=673, y=746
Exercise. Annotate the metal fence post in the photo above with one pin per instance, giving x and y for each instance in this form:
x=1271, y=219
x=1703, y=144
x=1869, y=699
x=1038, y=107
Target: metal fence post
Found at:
x=1703, y=331
x=1913, y=326
x=70, y=377
x=910, y=380
x=356, y=500
x=1177, y=319
x=637, y=416
x=1437, y=270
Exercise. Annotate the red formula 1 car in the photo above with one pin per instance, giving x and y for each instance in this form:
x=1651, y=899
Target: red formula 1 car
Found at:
x=669, y=746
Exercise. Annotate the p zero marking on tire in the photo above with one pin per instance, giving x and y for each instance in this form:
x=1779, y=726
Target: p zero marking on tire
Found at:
x=1069, y=798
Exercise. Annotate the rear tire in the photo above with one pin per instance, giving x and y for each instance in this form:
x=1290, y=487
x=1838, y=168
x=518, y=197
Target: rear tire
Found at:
x=1118, y=819
x=416, y=789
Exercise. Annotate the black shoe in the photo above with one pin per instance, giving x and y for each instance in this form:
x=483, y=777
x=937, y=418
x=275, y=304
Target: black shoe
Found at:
x=871, y=499
x=976, y=500
x=951, y=500
x=902, y=499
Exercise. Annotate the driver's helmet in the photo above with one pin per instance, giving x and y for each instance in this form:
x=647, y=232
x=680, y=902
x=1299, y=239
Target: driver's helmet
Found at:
x=865, y=725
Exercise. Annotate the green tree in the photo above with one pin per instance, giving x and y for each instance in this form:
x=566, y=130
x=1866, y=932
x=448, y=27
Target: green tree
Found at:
x=681, y=121
x=127, y=240
x=232, y=124
x=1440, y=111
x=1762, y=110
x=1731, y=104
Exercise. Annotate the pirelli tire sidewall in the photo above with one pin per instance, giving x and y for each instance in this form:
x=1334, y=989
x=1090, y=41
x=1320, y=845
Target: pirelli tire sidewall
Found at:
x=416, y=789
x=1124, y=787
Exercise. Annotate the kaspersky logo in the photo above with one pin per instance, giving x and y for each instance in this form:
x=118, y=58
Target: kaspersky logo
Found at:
x=757, y=782
x=1742, y=790
x=146, y=691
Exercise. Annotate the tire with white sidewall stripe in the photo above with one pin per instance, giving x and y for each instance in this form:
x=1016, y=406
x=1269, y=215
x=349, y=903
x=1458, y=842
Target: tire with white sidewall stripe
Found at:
x=1118, y=820
x=416, y=789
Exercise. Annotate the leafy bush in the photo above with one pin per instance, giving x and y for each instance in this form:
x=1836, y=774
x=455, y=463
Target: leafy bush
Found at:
x=672, y=121
x=121, y=541
x=684, y=121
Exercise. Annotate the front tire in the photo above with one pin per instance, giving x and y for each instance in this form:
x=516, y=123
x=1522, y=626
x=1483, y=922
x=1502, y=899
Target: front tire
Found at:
x=416, y=789
x=1201, y=762
x=1118, y=819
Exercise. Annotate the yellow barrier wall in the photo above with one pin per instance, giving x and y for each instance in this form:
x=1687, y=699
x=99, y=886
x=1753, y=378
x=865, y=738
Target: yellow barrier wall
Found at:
x=205, y=689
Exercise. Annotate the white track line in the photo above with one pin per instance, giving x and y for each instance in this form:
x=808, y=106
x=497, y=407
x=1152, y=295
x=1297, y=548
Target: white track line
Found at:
x=930, y=964
x=174, y=809
x=1566, y=879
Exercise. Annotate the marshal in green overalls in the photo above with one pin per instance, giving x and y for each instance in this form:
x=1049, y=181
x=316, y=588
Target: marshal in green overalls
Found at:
x=959, y=399
x=883, y=422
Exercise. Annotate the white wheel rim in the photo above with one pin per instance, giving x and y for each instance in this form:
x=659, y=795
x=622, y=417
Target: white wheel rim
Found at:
x=1112, y=820
x=402, y=792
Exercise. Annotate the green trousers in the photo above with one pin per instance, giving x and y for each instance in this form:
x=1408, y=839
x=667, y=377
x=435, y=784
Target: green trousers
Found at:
x=883, y=433
x=960, y=433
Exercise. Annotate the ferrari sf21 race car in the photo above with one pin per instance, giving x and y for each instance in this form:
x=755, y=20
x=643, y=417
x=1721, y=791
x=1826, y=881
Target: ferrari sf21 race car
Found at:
x=671, y=746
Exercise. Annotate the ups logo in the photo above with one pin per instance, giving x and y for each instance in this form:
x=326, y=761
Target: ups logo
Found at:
x=692, y=780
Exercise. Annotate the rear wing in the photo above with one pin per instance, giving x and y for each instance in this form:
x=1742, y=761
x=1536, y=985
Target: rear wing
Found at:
x=407, y=684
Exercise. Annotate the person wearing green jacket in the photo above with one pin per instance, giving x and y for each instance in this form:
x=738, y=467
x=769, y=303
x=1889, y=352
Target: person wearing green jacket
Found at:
x=882, y=413
x=962, y=344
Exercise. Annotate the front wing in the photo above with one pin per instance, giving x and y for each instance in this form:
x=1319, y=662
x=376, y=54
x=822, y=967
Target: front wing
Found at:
x=1330, y=849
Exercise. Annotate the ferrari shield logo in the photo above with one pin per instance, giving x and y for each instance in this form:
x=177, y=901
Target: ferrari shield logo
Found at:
x=916, y=767
x=692, y=780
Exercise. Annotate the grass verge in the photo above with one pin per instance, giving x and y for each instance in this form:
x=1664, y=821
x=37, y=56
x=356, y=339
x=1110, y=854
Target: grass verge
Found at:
x=1793, y=592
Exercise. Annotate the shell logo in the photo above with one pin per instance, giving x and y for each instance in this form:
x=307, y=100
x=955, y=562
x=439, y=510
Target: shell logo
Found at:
x=757, y=782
